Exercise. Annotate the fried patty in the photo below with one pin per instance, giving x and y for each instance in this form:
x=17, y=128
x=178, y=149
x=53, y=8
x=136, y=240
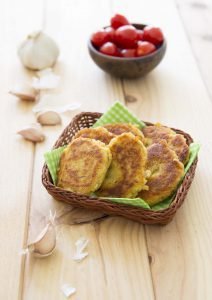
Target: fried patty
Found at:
x=126, y=175
x=83, y=165
x=119, y=128
x=176, y=142
x=99, y=133
x=166, y=172
x=179, y=145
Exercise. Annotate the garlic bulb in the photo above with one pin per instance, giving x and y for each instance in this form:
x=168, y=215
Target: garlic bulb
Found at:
x=24, y=91
x=48, y=117
x=33, y=133
x=38, y=51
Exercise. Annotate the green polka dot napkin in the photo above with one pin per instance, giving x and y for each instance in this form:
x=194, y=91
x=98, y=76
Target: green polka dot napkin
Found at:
x=117, y=113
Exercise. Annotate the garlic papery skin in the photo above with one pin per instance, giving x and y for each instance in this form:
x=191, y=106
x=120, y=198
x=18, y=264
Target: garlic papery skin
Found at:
x=80, y=244
x=38, y=51
x=45, y=242
x=24, y=92
x=69, y=108
x=46, y=80
x=68, y=290
x=33, y=133
x=48, y=117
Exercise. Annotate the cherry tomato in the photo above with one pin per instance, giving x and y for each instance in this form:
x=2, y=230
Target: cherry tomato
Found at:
x=111, y=33
x=126, y=36
x=109, y=49
x=100, y=37
x=128, y=52
x=118, y=21
x=153, y=35
x=140, y=34
x=144, y=48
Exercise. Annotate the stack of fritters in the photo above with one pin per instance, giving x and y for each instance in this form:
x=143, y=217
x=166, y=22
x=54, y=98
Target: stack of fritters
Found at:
x=120, y=160
x=177, y=142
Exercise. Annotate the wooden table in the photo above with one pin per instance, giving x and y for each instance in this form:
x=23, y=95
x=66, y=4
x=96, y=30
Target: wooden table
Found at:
x=126, y=260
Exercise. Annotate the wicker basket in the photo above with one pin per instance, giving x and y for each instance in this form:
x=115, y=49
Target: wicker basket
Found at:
x=141, y=215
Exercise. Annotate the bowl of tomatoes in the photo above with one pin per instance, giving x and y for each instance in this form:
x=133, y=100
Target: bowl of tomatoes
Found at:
x=127, y=50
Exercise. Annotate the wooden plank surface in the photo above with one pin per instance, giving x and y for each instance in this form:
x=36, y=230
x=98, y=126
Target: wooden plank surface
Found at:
x=197, y=21
x=126, y=260
x=95, y=277
x=16, y=155
x=175, y=95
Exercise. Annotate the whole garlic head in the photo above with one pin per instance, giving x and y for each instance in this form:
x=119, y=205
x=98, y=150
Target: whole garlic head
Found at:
x=38, y=51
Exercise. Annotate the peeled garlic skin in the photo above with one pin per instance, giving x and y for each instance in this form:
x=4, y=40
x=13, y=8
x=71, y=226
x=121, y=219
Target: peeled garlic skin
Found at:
x=38, y=51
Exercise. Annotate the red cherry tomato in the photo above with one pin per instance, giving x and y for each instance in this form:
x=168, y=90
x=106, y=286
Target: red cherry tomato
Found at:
x=100, y=37
x=140, y=34
x=118, y=21
x=109, y=49
x=153, y=35
x=111, y=33
x=126, y=36
x=128, y=52
x=144, y=48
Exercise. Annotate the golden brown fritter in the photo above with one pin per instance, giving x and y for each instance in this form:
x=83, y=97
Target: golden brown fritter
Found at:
x=156, y=133
x=179, y=145
x=119, y=128
x=99, y=133
x=176, y=142
x=83, y=165
x=126, y=175
x=166, y=172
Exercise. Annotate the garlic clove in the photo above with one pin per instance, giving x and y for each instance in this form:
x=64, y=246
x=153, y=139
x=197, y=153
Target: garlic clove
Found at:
x=38, y=51
x=45, y=242
x=24, y=91
x=32, y=133
x=48, y=117
x=46, y=80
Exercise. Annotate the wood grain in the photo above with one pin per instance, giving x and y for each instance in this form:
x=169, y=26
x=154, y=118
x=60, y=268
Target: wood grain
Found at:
x=174, y=94
x=126, y=260
x=16, y=154
x=94, y=278
x=197, y=21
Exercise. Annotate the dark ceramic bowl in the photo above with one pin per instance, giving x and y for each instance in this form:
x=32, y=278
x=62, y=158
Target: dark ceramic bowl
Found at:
x=132, y=67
